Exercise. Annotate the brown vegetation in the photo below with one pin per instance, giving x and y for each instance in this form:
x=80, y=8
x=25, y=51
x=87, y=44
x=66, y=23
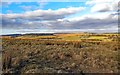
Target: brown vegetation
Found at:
x=59, y=56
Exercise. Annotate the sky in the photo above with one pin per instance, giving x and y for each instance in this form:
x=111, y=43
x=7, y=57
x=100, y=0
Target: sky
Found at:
x=45, y=16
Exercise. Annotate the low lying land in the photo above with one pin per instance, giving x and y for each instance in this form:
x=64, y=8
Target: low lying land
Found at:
x=60, y=53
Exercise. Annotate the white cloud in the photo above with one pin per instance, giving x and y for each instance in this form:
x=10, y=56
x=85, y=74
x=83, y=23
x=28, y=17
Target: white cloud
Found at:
x=26, y=8
x=101, y=16
x=103, y=5
x=46, y=14
x=42, y=3
x=35, y=18
x=91, y=2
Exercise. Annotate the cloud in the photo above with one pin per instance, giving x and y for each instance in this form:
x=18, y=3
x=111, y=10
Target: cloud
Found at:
x=103, y=5
x=6, y=4
x=57, y=20
x=31, y=18
x=9, y=11
x=45, y=14
x=86, y=22
x=92, y=2
x=26, y=8
x=42, y=3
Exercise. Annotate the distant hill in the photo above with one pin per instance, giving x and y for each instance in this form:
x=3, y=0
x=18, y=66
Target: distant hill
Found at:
x=13, y=35
x=39, y=34
x=30, y=34
x=44, y=34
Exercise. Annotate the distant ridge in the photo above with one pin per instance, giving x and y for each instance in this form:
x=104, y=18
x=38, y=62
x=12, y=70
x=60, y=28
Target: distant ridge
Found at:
x=46, y=34
x=12, y=35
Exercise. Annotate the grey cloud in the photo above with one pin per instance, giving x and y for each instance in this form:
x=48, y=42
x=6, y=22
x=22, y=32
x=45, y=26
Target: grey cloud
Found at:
x=55, y=20
x=88, y=23
x=45, y=14
x=23, y=20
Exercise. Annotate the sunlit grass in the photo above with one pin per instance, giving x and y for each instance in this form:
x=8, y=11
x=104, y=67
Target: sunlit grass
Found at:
x=72, y=37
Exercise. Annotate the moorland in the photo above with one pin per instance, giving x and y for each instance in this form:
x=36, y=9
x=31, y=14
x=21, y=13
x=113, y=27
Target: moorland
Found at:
x=60, y=53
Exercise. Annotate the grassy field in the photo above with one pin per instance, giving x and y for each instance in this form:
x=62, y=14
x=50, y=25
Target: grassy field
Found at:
x=61, y=53
x=71, y=37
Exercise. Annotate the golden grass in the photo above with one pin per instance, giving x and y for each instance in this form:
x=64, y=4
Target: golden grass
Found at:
x=71, y=37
